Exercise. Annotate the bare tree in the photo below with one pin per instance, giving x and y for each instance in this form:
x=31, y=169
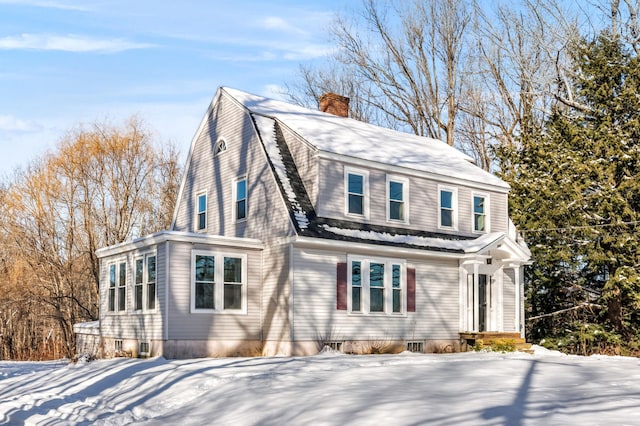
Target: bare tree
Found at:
x=104, y=185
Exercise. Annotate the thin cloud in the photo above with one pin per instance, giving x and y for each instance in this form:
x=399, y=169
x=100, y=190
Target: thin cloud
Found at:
x=9, y=123
x=47, y=4
x=68, y=43
x=280, y=24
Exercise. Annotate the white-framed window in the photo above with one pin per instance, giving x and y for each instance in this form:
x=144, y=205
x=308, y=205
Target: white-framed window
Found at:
x=397, y=199
x=480, y=213
x=201, y=211
x=447, y=207
x=240, y=197
x=219, y=282
x=144, y=290
x=117, y=292
x=376, y=286
x=356, y=186
x=221, y=146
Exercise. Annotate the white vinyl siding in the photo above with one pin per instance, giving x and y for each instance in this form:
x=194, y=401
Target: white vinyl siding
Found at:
x=145, y=324
x=184, y=325
x=314, y=289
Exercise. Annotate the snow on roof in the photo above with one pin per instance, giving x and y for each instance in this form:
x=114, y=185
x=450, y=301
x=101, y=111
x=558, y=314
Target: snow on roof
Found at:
x=266, y=127
x=467, y=246
x=353, y=138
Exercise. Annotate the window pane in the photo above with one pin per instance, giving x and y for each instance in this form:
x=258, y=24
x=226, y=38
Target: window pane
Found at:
x=151, y=269
x=204, y=296
x=112, y=276
x=241, y=190
x=356, y=285
x=396, y=300
x=396, y=210
x=138, y=297
x=446, y=217
x=356, y=274
x=376, y=301
x=478, y=204
x=139, y=263
x=112, y=297
x=202, y=220
x=395, y=191
x=376, y=275
x=356, y=204
x=395, y=276
x=232, y=270
x=122, y=300
x=479, y=222
x=241, y=209
x=446, y=198
x=151, y=296
x=232, y=296
x=202, y=203
x=123, y=274
x=376, y=290
x=205, y=268
x=356, y=184
x=355, y=299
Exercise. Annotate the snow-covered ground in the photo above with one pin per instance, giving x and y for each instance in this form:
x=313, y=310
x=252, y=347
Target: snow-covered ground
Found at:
x=327, y=389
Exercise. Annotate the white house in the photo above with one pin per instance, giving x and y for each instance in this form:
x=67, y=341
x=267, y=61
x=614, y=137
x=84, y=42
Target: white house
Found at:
x=296, y=228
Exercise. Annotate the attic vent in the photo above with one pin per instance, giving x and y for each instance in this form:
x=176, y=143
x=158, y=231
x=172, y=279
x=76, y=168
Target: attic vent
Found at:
x=415, y=347
x=336, y=346
x=334, y=104
x=221, y=146
x=143, y=349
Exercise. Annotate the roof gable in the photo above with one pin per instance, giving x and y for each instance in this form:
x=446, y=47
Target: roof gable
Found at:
x=353, y=138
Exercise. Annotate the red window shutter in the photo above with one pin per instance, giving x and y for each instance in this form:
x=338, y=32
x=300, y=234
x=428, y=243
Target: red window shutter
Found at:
x=341, y=287
x=411, y=289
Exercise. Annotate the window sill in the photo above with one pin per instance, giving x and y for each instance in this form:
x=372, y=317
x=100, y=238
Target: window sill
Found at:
x=214, y=312
x=378, y=314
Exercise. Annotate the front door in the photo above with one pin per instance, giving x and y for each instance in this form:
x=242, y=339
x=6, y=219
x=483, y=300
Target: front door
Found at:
x=483, y=299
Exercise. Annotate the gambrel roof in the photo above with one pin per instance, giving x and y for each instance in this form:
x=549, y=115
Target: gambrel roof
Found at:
x=356, y=139
x=352, y=139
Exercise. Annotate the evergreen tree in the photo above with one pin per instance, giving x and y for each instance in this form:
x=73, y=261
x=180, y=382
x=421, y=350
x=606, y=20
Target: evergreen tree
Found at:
x=576, y=196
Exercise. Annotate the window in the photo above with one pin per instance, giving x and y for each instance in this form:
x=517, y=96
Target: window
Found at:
x=480, y=216
x=143, y=348
x=219, y=282
x=204, y=282
x=138, y=286
x=151, y=282
x=448, y=203
x=122, y=289
x=376, y=286
x=356, y=183
x=232, y=283
x=112, y=288
x=221, y=146
x=240, y=197
x=117, y=292
x=397, y=196
x=145, y=283
x=396, y=288
x=201, y=217
x=356, y=286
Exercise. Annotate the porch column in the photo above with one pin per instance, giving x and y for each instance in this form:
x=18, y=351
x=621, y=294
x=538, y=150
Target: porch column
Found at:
x=476, y=316
x=517, y=310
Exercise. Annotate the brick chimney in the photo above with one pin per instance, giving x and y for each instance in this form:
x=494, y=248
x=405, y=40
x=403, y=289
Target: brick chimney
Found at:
x=334, y=104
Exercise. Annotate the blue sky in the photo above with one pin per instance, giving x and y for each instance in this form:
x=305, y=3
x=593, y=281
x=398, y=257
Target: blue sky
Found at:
x=65, y=62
